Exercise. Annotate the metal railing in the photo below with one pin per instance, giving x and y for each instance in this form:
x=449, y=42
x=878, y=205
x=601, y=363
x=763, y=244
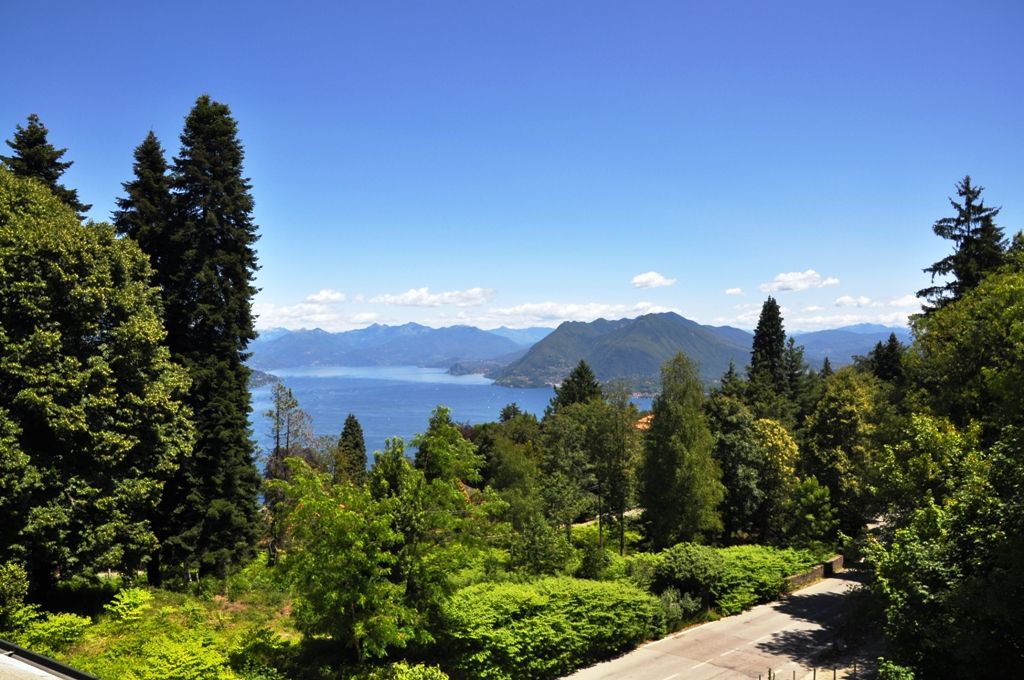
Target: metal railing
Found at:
x=43, y=663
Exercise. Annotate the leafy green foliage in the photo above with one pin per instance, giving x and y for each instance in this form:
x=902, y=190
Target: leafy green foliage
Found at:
x=341, y=565
x=680, y=481
x=887, y=670
x=546, y=628
x=403, y=671
x=729, y=579
x=91, y=415
x=443, y=453
x=810, y=519
x=129, y=604
x=13, y=589
x=54, y=633
x=181, y=657
x=843, y=435
x=968, y=360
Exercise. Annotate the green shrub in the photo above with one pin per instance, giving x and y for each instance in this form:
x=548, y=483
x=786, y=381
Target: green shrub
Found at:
x=403, y=671
x=13, y=588
x=129, y=604
x=729, y=579
x=186, y=657
x=678, y=608
x=545, y=628
x=54, y=633
x=594, y=561
x=642, y=568
x=887, y=670
x=692, y=568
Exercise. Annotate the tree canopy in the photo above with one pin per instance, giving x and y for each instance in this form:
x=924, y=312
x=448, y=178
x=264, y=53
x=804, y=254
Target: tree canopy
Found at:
x=34, y=156
x=978, y=246
x=92, y=420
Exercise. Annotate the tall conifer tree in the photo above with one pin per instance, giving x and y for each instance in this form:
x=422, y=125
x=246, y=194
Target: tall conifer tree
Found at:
x=350, y=455
x=145, y=213
x=34, y=156
x=578, y=388
x=210, y=521
x=769, y=347
x=979, y=247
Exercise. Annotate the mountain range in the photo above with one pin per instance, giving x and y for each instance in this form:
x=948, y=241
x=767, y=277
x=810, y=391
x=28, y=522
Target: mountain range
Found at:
x=633, y=350
x=378, y=345
x=629, y=349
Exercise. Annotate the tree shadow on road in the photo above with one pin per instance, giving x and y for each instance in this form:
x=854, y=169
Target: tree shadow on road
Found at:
x=841, y=622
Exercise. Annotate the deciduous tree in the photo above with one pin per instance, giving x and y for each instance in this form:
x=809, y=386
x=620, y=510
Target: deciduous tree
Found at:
x=91, y=415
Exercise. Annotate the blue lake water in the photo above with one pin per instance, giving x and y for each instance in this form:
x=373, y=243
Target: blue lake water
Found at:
x=390, y=400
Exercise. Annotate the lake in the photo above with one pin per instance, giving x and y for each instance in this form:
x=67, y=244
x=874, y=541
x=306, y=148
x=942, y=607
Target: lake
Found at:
x=390, y=400
x=393, y=400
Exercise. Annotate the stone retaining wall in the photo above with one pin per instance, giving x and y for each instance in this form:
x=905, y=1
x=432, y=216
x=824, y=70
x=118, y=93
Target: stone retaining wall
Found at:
x=830, y=567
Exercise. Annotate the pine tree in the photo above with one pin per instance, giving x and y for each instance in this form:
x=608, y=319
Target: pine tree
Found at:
x=210, y=519
x=681, y=484
x=886, y=360
x=34, y=156
x=979, y=247
x=769, y=346
x=579, y=387
x=350, y=455
x=146, y=212
x=826, y=369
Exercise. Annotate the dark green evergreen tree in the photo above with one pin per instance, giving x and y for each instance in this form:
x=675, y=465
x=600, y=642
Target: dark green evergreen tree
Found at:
x=886, y=360
x=92, y=421
x=145, y=213
x=509, y=411
x=768, y=386
x=979, y=247
x=210, y=519
x=34, y=156
x=733, y=384
x=826, y=369
x=578, y=388
x=768, y=357
x=737, y=452
x=680, y=482
x=350, y=456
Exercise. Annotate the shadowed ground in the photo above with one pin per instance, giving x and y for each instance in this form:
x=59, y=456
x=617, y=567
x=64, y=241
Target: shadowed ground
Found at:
x=793, y=635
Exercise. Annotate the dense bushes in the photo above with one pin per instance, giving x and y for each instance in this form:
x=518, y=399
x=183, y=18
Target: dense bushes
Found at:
x=729, y=579
x=545, y=628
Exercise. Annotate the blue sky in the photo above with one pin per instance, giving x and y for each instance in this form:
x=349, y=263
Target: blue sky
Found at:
x=524, y=163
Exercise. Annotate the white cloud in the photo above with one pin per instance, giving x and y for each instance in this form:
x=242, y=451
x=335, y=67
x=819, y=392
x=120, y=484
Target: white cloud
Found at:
x=651, y=280
x=365, y=317
x=302, y=315
x=734, y=291
x=797, y=281
x=422, y=297
x=553, y=313
x=814, y=308
x=822, y=321
x=326, y=295
x=909, y=300
x=850, y=301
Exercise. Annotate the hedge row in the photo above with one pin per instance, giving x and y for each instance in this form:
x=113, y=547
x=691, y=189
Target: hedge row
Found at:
x=546, y=628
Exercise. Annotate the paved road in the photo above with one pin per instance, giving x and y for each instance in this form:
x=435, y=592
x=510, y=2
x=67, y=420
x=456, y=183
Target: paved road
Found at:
x=785, y=636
